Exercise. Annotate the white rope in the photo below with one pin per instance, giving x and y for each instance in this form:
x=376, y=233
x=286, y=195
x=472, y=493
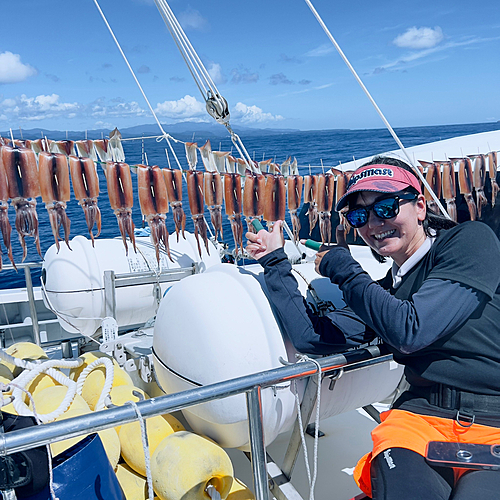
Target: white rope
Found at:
x=108, y=381
x=384, y=119
x=212, y=492
x=164, y=134
x=27, y=376
x=312, y=481
x=145, y=447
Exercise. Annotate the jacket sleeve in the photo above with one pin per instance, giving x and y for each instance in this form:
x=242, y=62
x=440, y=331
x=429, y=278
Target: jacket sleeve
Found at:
x=407, y=325
x=309, y=333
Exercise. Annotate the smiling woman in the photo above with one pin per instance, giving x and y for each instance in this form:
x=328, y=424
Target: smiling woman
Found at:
x=435, y=310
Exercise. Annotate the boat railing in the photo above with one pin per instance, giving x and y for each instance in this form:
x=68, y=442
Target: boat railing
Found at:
x=252, y=385
x=31, y=295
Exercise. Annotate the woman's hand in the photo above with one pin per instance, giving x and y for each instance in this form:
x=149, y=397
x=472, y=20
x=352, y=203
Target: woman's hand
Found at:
x=341, y=242
x=263, y=242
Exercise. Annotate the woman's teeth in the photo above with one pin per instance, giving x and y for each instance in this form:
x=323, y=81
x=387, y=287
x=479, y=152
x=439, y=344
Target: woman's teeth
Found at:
x=383, y=235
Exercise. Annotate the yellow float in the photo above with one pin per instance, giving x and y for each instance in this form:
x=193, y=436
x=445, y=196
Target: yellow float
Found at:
x=133, y=485
x=94, y=383
x=240, y=491
x=24, y=350
x=185, y=464
x=158, y=428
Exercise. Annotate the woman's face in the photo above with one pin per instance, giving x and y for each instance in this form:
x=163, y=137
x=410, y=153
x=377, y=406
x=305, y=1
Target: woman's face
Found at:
x=398, y=237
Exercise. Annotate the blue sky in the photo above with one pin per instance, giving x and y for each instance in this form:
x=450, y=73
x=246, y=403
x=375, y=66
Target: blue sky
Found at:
x=425, y=62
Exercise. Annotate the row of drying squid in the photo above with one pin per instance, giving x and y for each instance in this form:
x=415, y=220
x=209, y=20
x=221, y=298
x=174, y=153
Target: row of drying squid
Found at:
x=254, y=190
x=473, y=172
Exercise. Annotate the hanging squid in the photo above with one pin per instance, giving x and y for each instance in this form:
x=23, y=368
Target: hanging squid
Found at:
x=85, y=149
x=197, y=207
x=121, y=198
x=253, y=198
x=154, y=204
x=479, y=178
x=54, y=184
x=433, y=178
x=465, y=183
x=310, y=186
x=325, y=193
x=63, y=147
x=24, y=187
x=213, y=199
x=294, y=187
x=103, y=150
x=207, y=157
x=191, y=155
x=449, y=188
x=115, y=146
x=274, y=199
x=86, y=189
x=5, y=227
x=220, y=160
x=232, y=197
x=492, y=172
x=173, y=183
x=38, y=145
x=285, y=167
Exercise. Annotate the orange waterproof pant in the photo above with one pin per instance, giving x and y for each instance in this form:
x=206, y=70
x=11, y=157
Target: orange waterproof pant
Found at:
x=402, y=429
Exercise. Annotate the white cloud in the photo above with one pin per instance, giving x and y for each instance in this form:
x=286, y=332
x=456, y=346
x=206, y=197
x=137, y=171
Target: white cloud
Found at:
x=12, y=70
x=321, y=51
x=44, y=107
x=215, y=71
x=419, y=38
x=187, y=108
x=252, y=114
x=192, y=18
x=422, y=56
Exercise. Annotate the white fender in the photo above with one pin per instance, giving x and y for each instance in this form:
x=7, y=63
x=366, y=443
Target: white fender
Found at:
x=220, y=325
x=74, y=279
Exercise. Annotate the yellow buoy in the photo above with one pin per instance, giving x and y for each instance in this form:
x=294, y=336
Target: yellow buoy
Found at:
x=123, y=393
x=240, y=491
x=24, y=350
x=158, y=428
x=133, y=485
x=94, y=383
x=39, y=383
x=50, y=398
x=184, y=464
x=109, y=438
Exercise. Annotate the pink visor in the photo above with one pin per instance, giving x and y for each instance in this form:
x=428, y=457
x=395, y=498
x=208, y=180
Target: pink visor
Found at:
x=379, y=178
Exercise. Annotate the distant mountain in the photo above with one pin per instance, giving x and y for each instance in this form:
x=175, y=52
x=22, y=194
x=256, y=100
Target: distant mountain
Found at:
x=183, y=131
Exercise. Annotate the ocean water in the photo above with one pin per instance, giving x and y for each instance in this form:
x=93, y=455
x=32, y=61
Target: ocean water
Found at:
x=310, y=148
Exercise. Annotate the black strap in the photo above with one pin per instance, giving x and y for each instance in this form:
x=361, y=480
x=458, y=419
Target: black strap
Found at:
x=466, y=403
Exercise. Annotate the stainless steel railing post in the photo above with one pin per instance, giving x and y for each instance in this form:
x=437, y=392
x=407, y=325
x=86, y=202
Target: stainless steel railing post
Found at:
x=257, y=445
x=31, y=300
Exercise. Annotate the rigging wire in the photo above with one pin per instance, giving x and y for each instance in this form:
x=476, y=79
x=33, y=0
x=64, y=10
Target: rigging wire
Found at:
x=384, y=119
x=164, y=135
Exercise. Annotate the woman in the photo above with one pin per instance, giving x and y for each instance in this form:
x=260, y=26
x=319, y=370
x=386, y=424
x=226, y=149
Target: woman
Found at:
x=438, y=310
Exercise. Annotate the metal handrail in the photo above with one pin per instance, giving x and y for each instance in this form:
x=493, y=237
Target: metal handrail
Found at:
x=251, y=384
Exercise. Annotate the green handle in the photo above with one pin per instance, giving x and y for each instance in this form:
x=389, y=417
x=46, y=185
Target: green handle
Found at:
x=314, y=245
x=257, y=225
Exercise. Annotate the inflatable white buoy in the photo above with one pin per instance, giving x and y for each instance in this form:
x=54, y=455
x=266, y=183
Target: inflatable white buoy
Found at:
x=74, y=280
x=235, y=333
x=185, y=464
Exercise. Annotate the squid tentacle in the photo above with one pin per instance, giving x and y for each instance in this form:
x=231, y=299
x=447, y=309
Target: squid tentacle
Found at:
x=325, y=227
x=159, y=233
x=237, y=229
x=179, y=218
x=126, y=226
x=6, y=230
x=58, y=217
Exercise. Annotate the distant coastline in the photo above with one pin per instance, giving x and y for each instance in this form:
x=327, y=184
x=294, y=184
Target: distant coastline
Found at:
x=186, y=130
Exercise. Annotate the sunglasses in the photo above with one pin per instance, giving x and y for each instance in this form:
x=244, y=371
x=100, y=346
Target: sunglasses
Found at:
x=386, y=208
